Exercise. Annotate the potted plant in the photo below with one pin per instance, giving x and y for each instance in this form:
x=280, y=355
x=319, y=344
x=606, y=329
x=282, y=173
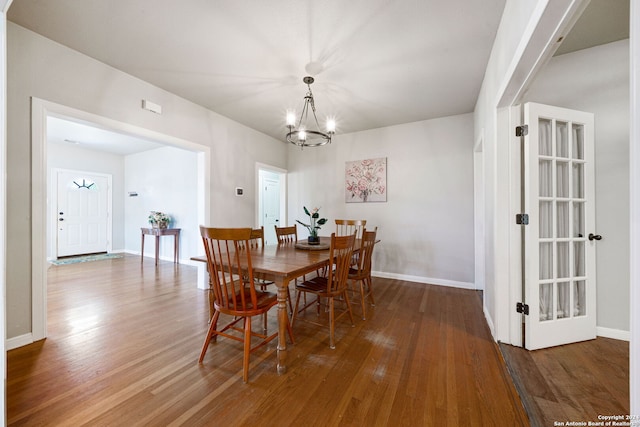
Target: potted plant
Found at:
x=159, y=219
x=314, y=225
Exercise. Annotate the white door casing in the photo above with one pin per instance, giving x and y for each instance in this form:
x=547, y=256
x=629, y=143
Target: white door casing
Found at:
x=559, y=185
x=82, y=213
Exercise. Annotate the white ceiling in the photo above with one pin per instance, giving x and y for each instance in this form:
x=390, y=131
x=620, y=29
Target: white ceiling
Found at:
x=90, y=137
x=376, y=62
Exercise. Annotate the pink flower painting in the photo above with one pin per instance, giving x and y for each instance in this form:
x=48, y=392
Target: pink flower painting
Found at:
x=366, y=181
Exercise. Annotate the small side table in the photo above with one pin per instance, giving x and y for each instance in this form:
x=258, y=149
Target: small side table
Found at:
x=175, y=232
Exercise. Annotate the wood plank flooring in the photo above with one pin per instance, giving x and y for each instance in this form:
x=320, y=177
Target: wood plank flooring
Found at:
x=575, y=382
x=124, y=340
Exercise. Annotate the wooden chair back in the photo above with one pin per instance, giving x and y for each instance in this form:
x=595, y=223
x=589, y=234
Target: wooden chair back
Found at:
x=367, y=242
x=344, y=227
x=287, y=234
x=228, y=265
x=340, y=253
x=256, y=240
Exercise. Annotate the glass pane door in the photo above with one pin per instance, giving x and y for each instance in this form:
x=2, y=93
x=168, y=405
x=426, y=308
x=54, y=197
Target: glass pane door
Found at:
x=560, y=284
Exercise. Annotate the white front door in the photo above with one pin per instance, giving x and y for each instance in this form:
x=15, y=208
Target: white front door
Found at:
x=560, y=240
x=82, y=213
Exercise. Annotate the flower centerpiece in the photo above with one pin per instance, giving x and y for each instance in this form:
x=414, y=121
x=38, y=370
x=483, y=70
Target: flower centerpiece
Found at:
x=314, y=225
x=159, y=219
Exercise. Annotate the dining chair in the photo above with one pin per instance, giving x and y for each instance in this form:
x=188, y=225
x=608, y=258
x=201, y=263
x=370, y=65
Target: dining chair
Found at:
x=287, y=234
x=235, y=297
x=344, y=227
x=256, y=241
x=361, y=272
x=331, y=287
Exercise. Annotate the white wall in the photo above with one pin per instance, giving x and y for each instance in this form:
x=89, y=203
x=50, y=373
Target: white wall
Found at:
x=75, y=158
x=522, y=44
x=4, y=5
x=38, y=67
x=514, y=22
x=426, y=225
x=165, y=180
x=634, y=173
x=597, y=80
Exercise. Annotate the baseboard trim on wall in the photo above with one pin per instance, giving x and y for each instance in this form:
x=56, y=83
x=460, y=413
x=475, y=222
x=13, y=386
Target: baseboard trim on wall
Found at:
x=161, y=257
x=18, y=341
x=489, y=321
x=427, y=280
x=617, y=334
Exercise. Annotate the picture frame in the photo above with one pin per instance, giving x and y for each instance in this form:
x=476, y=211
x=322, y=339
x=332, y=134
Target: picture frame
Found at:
x=366, y=180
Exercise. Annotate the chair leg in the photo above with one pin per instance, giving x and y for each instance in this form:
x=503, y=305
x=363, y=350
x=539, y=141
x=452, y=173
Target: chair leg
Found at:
x=247, y=349
x=332, y=325
x=264, y=323
x=346, y=299
x=364, y=308
x=210, y=333
x=290, y=330
x=295, y=310
x=289, y=300
x=211, y=301
x=370, y=290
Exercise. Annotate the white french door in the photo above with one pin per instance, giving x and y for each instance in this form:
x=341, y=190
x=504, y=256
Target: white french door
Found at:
x=560, y=279
x=82, y=214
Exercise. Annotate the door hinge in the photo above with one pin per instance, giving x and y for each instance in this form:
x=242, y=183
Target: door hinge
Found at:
x=522, y=130
x=522, y=219
x=522, y=308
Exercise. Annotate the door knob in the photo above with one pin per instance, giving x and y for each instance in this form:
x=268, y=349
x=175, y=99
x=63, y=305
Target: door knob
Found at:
x=61, y=219
x=594, y=236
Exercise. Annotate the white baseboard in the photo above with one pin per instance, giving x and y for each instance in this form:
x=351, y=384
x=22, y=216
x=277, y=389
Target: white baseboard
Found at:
x=161, y=257
x=489, y=320
x=616, y=334
x=18, y=341
x=427, y=280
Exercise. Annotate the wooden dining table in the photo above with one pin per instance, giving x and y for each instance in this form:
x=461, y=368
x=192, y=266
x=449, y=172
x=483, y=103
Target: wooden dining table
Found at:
x=283, y=263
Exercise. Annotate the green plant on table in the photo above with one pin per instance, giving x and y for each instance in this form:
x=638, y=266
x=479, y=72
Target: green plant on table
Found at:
x=314, y=221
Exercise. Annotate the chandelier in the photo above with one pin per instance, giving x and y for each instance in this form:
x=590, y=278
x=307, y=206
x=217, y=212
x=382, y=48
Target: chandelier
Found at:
x=307, y=132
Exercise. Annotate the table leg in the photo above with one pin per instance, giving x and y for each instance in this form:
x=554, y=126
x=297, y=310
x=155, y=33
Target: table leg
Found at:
x=283, y=320
x=176, y=248
x=157, y=248
x=142, y=249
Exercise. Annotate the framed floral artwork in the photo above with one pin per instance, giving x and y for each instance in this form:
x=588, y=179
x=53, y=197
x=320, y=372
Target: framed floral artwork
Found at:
x=366, y=181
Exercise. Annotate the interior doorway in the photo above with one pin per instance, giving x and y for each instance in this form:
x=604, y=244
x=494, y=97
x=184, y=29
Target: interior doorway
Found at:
x=271, y=202
x=41, y=183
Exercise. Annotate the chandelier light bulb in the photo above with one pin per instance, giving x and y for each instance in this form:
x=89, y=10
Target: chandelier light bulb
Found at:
x=291, y=118
x=302, y=135
x=331, y=125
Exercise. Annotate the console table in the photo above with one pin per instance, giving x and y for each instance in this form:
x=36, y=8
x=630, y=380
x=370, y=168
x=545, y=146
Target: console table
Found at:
x=175, y=232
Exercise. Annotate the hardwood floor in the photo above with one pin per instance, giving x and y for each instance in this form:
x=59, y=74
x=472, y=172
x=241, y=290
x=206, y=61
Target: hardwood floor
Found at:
x=124, y=342
x=575, y=382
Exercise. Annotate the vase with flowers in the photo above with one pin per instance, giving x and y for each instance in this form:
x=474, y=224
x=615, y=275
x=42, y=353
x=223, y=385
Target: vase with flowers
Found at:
x=314, y=225
x=159, y=219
